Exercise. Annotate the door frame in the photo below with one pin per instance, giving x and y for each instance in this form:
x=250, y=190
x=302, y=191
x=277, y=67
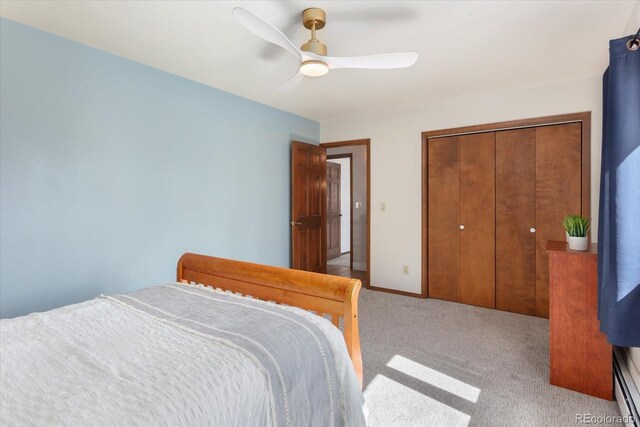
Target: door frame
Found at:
x=367, y=144
x=350, y=157
x=584, y=118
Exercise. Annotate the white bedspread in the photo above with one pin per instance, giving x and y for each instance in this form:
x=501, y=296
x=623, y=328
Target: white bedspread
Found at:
x=103, y=363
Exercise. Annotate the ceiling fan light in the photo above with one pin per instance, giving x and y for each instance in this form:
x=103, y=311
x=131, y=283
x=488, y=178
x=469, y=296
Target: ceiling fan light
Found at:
x=313, y=68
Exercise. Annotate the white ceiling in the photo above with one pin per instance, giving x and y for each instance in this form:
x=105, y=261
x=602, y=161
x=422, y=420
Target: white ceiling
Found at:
x=464, y=46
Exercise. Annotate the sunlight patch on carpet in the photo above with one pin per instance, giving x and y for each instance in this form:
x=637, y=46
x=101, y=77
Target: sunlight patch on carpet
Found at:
x=434, y=378
x=408, y=407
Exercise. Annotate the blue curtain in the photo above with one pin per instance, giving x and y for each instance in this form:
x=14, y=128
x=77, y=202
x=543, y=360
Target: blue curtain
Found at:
x=619, y=216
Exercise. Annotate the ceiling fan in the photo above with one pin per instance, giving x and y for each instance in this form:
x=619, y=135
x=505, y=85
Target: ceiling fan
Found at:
x=312, y=55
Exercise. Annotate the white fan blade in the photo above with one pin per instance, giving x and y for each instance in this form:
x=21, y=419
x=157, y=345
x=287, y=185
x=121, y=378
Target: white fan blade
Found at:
x=375, y=62
x=265, y=30
x=289, y=84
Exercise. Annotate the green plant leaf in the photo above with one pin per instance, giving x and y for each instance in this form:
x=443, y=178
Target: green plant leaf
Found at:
x=576, y=225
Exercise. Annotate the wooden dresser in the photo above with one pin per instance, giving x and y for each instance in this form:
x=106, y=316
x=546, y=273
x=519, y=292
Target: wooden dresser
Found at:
x=580, y=357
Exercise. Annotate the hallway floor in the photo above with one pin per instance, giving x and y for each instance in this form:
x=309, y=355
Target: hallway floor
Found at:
x=340, y=267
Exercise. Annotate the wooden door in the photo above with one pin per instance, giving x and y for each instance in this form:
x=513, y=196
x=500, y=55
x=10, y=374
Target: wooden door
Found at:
x=516, y=221
x=558, y=193
x=443, y=190
x=333, y=210
x=477, y=219
x=308, y=209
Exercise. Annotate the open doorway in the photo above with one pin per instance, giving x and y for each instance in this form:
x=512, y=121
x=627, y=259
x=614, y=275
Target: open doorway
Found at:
x=339, y=210
x=347, y=209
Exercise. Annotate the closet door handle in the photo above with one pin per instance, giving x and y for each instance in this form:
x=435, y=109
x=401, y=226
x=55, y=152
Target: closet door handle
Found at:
x=461, y=226
x=532, y=230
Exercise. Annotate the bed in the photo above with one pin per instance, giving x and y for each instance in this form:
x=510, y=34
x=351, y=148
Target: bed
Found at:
x=230, y=343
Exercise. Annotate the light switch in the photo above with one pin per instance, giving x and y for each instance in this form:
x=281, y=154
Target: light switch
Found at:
x=358, y=205
x=383, y=206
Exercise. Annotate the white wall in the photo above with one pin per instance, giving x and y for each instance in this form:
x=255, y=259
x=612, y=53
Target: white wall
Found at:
x=396, y=160
x=634, y=21
x=345, y=203
x=359, y=156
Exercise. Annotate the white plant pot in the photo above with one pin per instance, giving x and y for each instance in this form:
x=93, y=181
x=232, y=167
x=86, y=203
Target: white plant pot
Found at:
x=567, y=236
x=578, y=243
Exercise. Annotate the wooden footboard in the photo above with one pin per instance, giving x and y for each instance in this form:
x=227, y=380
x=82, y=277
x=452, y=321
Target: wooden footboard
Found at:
x=323, y=294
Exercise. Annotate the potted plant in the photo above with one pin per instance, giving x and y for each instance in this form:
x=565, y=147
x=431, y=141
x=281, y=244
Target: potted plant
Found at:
x=577, y=227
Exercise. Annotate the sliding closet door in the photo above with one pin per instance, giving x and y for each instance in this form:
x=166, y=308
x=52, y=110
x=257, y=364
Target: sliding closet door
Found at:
x=477, y=219
x=516, y=221
x=558, y=193
x=443, y=190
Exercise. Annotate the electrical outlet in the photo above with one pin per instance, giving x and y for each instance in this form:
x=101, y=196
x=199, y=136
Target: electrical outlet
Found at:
x=405, y=269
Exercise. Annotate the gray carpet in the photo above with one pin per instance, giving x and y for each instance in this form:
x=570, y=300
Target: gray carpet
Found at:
x=433, y=363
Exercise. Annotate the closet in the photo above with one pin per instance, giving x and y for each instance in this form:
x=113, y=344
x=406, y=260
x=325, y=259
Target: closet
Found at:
x=492, y=199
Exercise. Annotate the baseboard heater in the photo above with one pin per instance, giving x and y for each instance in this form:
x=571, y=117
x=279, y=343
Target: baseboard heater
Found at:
x=627, y=393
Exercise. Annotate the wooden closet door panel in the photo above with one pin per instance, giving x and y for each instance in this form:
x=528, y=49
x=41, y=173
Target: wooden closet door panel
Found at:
x=558, y=193
x=443, y=190
x=515, y=216
x=477, y=214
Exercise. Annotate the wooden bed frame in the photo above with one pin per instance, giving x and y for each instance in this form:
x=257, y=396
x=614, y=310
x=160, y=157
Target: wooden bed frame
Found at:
x=321, y=293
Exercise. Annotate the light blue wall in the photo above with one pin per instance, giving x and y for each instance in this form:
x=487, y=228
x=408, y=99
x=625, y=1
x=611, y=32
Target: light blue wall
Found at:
x=110, y=170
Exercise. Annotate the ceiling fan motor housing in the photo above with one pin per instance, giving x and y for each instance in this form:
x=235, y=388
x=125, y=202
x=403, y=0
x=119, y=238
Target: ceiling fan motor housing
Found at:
x=314, y=19
x=314, y=15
